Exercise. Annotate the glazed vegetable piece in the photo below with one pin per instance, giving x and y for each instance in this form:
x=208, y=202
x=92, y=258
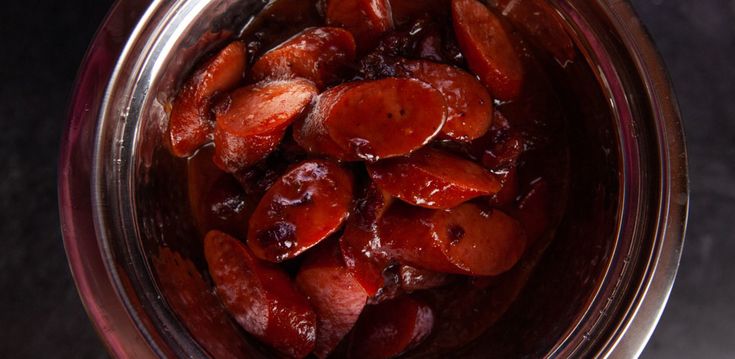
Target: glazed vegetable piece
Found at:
x=533, y=209
x=335, y=294
x=360, y=244
x=319, y=54
x=367, y=20
x=538, y=20
x=190, y=123
x=391, y=328
x=462, y=240
x=413, y=279
x=252, y=121
x=433, y=179
x=488, y=49
x=260, y=296
x=383, y=118
x=469, y=106
x=301, y=209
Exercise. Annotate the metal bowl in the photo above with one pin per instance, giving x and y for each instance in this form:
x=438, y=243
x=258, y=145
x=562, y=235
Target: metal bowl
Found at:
x=598, y=291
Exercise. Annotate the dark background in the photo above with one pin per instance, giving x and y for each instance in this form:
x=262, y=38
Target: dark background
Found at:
x=44, y=41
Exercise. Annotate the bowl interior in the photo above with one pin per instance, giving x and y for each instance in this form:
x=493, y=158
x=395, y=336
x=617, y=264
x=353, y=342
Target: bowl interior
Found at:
x=568, y=302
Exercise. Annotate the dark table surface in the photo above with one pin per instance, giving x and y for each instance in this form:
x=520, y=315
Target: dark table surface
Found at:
x=40, y=312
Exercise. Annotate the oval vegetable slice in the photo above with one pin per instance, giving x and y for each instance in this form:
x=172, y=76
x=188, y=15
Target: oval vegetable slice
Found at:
x=462, y=240
x=469, y=106
x=253, y=120
x=365, y=19
x=336, y=296
x=390, y=328
x=487, y=48
x=360, y=243
x=302, y=208
x=260, y=296
x=319, y=54
x=190, y=124
x=433, y=179
x=383, y=118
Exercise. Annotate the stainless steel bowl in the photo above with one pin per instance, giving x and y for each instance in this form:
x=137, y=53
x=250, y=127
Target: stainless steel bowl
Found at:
x=599, y=290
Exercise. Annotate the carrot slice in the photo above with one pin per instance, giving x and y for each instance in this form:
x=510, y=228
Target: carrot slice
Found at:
x=190, y=124
x=337, y=297
x=462, y=240
x=391, y=328
x=319, y=54
x=487, y=47
x=301, y=209
x=367, y=20
x=469, y=106
x=384, y=118
x=433, y=179
x=254, y=119
x=260, y=296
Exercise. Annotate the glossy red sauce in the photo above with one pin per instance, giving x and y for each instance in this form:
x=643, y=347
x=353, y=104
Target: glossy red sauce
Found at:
x=376, y=185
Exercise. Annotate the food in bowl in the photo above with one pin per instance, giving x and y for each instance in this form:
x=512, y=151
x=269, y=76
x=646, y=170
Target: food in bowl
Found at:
x=380, y=178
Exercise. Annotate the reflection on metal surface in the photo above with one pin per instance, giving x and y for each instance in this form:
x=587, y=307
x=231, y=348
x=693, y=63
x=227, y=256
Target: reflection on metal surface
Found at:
x=598, y=290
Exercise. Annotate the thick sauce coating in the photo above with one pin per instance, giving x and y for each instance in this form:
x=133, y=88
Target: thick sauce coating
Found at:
x=369, y=186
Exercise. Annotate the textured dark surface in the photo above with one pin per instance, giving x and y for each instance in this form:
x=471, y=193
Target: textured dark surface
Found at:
x=44, y=41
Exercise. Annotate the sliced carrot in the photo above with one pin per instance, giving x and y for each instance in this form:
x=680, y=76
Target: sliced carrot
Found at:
x=190, y=124
x=260, y=296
